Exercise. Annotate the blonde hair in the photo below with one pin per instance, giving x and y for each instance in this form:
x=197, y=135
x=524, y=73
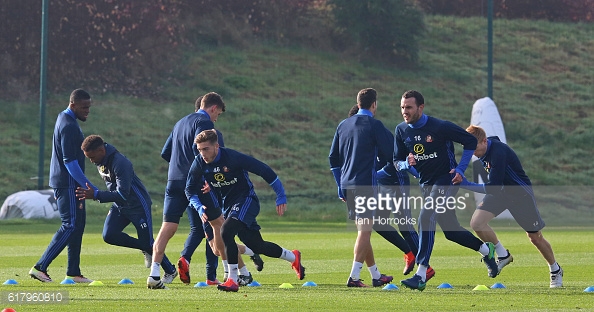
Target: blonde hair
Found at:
x=207, y=136
x=478, y=132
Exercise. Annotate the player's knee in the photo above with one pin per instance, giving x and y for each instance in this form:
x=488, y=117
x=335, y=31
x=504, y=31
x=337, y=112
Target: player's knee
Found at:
x=109, y=237
x=535, y=237
x=227, y=233
x=476, y=225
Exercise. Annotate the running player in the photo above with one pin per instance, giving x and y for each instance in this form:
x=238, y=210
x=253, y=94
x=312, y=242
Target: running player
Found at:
x=226, y=171
x=432, y=142
x=508, y=187
x=131, y=201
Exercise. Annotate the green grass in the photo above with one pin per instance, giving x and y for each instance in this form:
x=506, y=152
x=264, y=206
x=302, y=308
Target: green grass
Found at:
x=327, y=255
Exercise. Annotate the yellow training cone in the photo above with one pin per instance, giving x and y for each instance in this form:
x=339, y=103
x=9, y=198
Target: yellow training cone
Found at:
x=481, y=287
x=286, y=285
x=96, y=283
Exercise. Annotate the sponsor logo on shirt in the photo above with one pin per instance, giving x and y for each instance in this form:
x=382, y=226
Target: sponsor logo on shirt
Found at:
x=425, y=156
x=419, y=149
x=224, y=183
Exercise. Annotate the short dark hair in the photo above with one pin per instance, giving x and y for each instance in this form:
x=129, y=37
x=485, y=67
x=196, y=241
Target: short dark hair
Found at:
x=212, y=99
x=79, y=95
x=92, y=142
x=366, y=97
x=414, y=94
x=207, y=136
x=198, y=103
x=354, y=110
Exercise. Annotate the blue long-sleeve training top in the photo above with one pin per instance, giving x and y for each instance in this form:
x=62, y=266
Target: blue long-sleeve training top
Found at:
x=67, y=165
x=358, y=144
x=431, y=141
x=124, y=188
x=179, y=149
x=228, y=175
x=504, y=168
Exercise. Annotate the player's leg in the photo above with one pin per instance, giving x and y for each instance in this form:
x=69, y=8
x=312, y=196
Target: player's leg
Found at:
x=68, y=206
x=250, y=235
x=427, y=224
x=144, y=240
x=195, y=236
x=382, y=226
x=211, y=258
x=113, y=228
x=258, y=262
x=75, y=241
x=229, y=230
x=362, y=250
x=252, y=238
x=453, y=231
x=192, y=242
x=528, y=217
x=406, y=226
x=174, y=205
x=489, y=208
x=545, y=249
x=480, y=225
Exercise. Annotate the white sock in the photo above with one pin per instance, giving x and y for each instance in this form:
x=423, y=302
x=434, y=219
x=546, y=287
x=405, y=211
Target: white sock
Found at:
x=422, y=272
x=288, y=255
x=484, y=250
x=155, y=269
x=500, y=250
x=244, y=271
x=248, y=251
x=554, y=267
x=233, y=272
x=225, y=266
x=356, y=270
x=375, y=273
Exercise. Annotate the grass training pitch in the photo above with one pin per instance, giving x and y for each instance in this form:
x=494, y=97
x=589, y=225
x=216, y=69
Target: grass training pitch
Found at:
x=327, y=254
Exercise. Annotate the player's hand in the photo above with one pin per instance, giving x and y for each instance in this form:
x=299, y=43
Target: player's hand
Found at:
x=85, y=193
x=411, y=159
x=340, y=195
x=280, y=209
x=458, y=178
x=205, y=188
x=202, y=214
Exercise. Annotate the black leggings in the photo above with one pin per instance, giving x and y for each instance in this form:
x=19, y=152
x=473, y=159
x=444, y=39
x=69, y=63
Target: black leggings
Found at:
x=251, y=238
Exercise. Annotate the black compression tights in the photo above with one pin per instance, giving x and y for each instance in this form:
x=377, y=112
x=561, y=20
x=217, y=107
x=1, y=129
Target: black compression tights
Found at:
x=251, y=238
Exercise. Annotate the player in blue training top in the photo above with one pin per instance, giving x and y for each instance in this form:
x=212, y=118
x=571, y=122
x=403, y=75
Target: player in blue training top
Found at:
x=66, y=174
x=226, y=171
x=131, y=201
x=508, y=188
x=197, y=228
x=395, y=184
x=427, y=143
x=358, y=143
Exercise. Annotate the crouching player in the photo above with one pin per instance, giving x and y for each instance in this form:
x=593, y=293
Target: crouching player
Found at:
x=131, y=201
x=508, y=188
x=226, y=171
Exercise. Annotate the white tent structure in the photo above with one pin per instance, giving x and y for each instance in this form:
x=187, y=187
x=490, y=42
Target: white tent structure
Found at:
x=486, y=116
x=30, y=204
